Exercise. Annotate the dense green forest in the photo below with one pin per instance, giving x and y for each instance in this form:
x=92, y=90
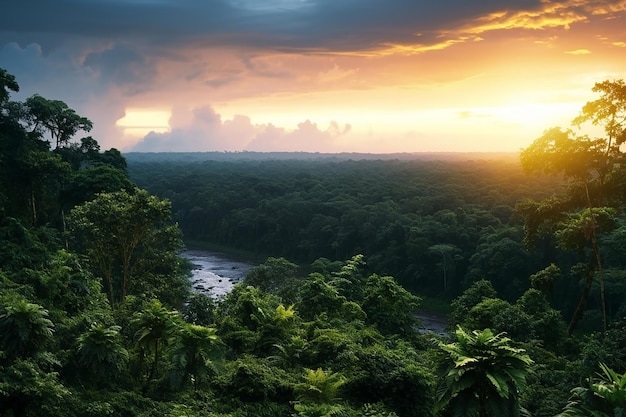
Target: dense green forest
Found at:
x=436, y=226
x=97, y=316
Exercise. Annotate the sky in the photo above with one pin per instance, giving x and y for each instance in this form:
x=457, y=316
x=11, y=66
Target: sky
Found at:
x=376, y=76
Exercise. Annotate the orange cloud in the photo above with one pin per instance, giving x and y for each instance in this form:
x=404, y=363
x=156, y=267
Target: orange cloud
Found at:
x=551, y=15
x=604, y=8
x=579, y=52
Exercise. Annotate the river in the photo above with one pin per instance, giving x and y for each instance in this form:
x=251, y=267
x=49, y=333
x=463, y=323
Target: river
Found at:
x=215, y=274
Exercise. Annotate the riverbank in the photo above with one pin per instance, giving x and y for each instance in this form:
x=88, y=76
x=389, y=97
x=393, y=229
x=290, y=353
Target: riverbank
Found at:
x=227, y=252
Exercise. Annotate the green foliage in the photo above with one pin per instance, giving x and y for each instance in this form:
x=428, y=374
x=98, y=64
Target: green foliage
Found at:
x=608, y=111
x=502, y=259
x=30, y=387
x=577, y=228
x=393, y=376
x=194, y=349
x=199, y=309
x=389, y=307
x=320, y=387
x=154, y=326
x=7, y=83
x=484, y=375
x=24, y=327
x=102, y=355
x=549, y=382
x=545, y=279
x=391, y=212
x=546, y=324
x=461, y=306
x=131, y=242
x=327, y=345
x=605, y=347
x=251, y=378
x=252, y=321
x=604, y=396
x=84, y=184
x=376, y=410
x=321, y=410
x=61, y=122
x=65, y=284
x=21, y=247
x=594, y=170
x=274, y=276
x=318, y=296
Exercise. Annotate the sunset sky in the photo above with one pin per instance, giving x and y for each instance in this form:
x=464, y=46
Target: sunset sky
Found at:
x=315, y=75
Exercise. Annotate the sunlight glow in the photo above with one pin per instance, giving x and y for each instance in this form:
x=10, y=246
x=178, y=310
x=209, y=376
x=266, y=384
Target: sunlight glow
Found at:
x=140, y=122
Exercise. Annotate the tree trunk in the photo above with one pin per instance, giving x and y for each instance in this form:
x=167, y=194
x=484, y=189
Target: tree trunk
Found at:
x=580, y=308
x=596, y=252
x=33, y=206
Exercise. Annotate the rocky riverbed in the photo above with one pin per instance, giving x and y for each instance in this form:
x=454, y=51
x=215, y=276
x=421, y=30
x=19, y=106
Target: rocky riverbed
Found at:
x=214, y=273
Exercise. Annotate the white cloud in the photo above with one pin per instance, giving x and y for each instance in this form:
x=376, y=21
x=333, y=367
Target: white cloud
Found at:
x=202, y=129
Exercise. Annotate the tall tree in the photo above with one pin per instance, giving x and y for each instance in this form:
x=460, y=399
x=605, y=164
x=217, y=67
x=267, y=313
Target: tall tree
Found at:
x=594, y=168
x=131, y=241
x=54, y=116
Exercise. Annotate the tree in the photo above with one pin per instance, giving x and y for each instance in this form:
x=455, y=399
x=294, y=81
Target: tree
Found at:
x=275, y=276
x=390, y=307
x=131, y=241
x=29, y=173
x=594, y=168
x=545, y=279
x=56, y=117
x=449, y=255
x=193, y=349
x=318, y=297
x=101, y=353
x=154, y=325
x=85, y=184
x=7, y=83
x=24, y=328
x=461, y=306
x=483, y=375
x=547, y=324
x=319, y=394
x=609, y=111
x=199, y=309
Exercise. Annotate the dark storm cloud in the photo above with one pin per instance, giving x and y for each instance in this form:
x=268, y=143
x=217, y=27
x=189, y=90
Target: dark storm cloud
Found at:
x=121, y=65
x=325, y=25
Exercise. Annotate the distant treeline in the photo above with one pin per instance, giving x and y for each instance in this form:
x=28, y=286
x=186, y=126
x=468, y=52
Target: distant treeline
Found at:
x=344, y=156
